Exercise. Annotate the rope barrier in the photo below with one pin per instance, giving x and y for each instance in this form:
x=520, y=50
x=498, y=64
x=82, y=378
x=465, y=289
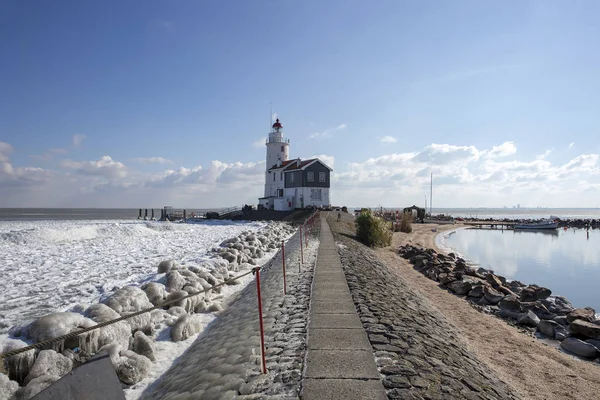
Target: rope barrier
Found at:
x=106, y=323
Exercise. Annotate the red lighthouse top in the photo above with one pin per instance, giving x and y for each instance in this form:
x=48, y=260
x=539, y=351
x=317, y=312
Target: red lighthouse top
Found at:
x=277, y=124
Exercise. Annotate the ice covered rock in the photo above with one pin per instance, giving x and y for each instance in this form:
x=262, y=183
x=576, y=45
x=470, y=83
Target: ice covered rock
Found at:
x=177, y=311
x=118, y=333
x=186, y=326
x=132, y=367
x=37, y=385
x=156, y=292
x=19, y=365
x=175, y=281
x=58, y=324
x=130, y=299
x=143, y=346
x=8, y=388
x=49, y=362
x=166, y=266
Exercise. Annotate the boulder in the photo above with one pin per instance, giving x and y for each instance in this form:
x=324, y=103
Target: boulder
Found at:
x=177, y=311
x=560, y=333
x=156, y=292
x=539, y=309
x=143, y=346
x=166, y=266
x=496, y=282
x=8, y=388
x=477, y=291
x=587, y=314
x=49, y=362
x=118, y=333
x=594, y=342
x=492, y=296
x=37, y=385
x=175, y=281
x=528, y=319
x=510, y=303
x=19, y=365
x=534, y=293
x=58, y=324
x=579, y=347
x=547, y=328
x=128, y=300
x=460, y=287
x=561, y=319
x=132, y=367
x=586, y=329
x=186, y=326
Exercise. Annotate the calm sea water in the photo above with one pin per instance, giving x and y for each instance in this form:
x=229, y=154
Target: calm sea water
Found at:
x=565, y=261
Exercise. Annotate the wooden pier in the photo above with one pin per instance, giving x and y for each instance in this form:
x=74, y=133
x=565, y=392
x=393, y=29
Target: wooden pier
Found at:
x=490, y=224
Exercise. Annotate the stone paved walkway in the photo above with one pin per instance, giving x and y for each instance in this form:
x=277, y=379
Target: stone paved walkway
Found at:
x=340, y=362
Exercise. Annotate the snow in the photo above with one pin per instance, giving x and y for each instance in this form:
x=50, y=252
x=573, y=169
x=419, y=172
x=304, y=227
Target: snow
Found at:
x=54, y=266
x=50, y=266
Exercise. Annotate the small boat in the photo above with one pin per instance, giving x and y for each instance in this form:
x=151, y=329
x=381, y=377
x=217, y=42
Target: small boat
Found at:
x=543, y=224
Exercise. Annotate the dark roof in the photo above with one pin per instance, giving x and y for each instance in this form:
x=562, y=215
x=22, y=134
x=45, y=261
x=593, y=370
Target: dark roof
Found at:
x=283, y=164
x=303, y=164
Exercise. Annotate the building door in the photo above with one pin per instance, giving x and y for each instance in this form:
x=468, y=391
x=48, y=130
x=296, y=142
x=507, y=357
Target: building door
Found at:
x=296, y=198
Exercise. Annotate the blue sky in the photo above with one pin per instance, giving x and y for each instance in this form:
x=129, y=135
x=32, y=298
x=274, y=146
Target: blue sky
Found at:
x=141, y=104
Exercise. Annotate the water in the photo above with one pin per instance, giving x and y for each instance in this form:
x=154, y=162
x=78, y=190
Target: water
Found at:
x=565, y=261
x=73, y=214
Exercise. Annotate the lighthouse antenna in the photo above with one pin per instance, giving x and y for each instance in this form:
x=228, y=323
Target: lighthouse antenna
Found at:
x=270, y=114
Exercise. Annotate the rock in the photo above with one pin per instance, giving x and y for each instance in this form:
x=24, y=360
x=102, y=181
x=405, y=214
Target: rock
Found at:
x=118, y=333
x=19, y=365
x=579, y=348
x=156, y=292
x=585, y=328
x=547, y=328
x=586, y=314
x=132, y=367
x=510, y=303
x=539, y=309
x=37, y=385
x=496, y=282
x=477, y=291
x=8, y=388
x=166, y=266
x=58, y=324
x=528, y=319
x=460, y=287
x=175, y=281
x=560, y=333
x=186, y=326
x=49, y=362
x=594, y=342
x=561, y=319
x=143, y=346
x=534, y=293
x=177, y=311
x=491, y=295
x=130, y=299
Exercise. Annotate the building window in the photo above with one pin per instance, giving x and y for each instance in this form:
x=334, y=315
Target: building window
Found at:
x=315, y=194
x=281, y=176
x=321, y=176
x=282, y=150
x=291, y=177
x=311, y=176
x=273, y=177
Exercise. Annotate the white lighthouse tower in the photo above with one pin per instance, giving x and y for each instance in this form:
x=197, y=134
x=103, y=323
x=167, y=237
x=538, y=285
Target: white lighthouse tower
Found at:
x=278, y=150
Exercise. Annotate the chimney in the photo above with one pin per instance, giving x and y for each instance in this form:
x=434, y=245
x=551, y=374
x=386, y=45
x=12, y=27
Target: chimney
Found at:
x=298, y=162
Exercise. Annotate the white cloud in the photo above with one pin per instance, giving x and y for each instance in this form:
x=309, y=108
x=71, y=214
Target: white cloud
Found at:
x=259, y=143
x=571, y=145
x=104, y=167
x=388, y=139
x=152, y=160
x=274, y=117
x=329, y=160
x=78, y=139
x=544, y=155
x=503, y=150
x=328, y=132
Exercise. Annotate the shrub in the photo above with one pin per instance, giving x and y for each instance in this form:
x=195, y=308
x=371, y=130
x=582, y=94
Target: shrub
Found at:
x=406, y=223
x=372, y=230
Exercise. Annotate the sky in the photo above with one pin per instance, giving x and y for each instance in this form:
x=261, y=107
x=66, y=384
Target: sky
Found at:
x=152, y=103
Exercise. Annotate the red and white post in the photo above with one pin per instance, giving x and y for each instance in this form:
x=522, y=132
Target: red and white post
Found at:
x=301, y=246
x=283, y=266
x=260, y=319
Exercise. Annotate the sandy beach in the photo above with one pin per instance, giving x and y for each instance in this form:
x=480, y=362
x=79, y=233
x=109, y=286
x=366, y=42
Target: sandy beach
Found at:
x=535, y=370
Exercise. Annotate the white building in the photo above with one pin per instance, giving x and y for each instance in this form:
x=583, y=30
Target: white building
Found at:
x=291, y=184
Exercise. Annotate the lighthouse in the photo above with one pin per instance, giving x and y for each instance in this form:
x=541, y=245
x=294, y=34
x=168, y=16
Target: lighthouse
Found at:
x=292, y=184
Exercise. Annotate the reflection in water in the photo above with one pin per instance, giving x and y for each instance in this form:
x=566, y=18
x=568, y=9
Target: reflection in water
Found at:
x=566, y=261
